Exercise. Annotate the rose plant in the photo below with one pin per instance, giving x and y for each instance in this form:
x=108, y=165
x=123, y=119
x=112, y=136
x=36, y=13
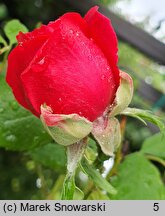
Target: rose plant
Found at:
x=68, y=70
x=66, y=74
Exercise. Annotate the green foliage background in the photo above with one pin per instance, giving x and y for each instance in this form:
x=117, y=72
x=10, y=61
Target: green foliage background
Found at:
x=32, y=166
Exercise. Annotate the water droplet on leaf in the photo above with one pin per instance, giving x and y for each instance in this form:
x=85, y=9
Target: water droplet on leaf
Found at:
x=1, y=109
x=14, y=105
x=36, y=139
x=11, y=138
x=38, y=183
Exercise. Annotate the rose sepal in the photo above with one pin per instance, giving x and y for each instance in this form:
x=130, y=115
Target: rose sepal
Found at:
x=65, y=129
x=106, y=129
x=124, y=94
x=107, y=133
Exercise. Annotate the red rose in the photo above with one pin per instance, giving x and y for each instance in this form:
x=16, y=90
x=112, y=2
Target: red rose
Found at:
x=70, y=65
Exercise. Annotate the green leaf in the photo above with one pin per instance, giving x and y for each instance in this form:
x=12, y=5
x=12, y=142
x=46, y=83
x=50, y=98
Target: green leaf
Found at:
x=138, y=179
x=97, y=195
x=12, y=28
x=50, y=155
x=155, y=145
x=19, y=130
x=97, y=178
x=68, y=187
x=145, y=115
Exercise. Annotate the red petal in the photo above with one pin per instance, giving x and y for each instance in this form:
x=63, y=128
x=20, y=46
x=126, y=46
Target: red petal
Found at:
x=43, y=31
x=70, y=73
x=104, y=35
x=18, y=60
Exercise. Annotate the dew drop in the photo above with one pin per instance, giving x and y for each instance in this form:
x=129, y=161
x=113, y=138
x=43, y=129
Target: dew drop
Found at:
x=14, y=105
x=80, y=113
x=149, y=80
x=70, y=31
x=38, y=183
x=89, y=57
x=36, y=139
x=109, y=80
x=20, y=44
x=38, y=3
x=11, y=138
x=113, y=86
x=41, y=62
x=102, y=77
x=77, y=33
x=60, y=99
x=1, y=110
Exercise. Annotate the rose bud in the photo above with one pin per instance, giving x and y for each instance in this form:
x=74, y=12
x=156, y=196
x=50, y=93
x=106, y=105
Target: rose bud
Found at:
x=66, y=73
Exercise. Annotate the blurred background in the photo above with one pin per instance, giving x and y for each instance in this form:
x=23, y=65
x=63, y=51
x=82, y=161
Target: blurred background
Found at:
x=140, y=27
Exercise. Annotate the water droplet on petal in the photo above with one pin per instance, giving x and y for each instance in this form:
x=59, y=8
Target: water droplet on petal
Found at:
x=102, y=77
x=77, y=33
x=20, y=44
x=70, y=31
x=41, y=62
x=109, y=79
x=89, y=57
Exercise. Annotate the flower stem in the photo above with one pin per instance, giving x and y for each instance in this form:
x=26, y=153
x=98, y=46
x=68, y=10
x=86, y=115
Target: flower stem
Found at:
x=68, y=187
x=74, y=155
